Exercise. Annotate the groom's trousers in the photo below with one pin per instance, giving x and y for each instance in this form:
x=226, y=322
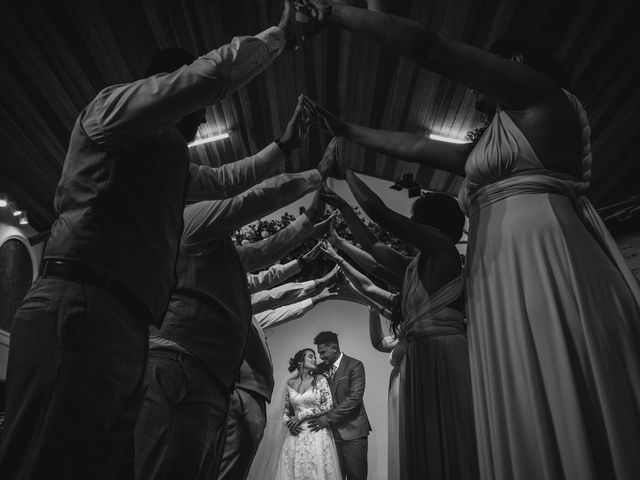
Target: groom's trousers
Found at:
x=353, y=457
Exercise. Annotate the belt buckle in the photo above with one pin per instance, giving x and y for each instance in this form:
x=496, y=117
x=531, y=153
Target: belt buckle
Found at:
x=47, y=265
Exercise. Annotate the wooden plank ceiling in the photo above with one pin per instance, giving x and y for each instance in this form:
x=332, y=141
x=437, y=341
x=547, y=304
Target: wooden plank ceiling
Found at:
x=58, y=54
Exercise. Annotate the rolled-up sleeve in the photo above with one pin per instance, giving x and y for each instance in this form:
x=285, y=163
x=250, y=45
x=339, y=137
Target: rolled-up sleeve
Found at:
x=271, y=318
x=257, y=255
x=210, y=219
x=210, y=183
x=282, y=295
x=272, y=276
x=121, y=114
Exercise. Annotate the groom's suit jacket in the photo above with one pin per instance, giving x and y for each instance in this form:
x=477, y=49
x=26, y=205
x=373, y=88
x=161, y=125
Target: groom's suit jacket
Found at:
x=348, y=415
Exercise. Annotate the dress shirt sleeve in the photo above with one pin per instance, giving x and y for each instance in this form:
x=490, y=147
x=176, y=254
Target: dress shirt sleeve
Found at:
x=271, y=318
x=282, y=295
x=274, y=275
x=122, y=114
x=210, y=219
x=257, y=255
x=211, y=183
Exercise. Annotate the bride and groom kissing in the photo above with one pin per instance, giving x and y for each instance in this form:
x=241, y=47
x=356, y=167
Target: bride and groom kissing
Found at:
x=325, y=415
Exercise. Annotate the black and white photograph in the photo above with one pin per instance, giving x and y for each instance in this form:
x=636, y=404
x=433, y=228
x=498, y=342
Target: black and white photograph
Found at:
x=319, y=240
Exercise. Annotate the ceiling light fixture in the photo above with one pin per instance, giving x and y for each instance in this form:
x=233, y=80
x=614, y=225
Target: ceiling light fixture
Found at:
x=215, y=138
x=441, y=138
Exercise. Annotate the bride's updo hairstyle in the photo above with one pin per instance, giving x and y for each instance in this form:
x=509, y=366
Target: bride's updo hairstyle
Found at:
x=298, y=358
x=441, y=211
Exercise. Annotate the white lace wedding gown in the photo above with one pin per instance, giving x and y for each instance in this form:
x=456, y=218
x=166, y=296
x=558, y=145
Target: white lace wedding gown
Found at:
x=308, y=455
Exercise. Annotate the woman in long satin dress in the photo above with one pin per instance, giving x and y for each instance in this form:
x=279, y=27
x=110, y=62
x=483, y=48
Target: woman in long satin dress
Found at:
x=436, y=431
x=553, y=309
x=390, y=343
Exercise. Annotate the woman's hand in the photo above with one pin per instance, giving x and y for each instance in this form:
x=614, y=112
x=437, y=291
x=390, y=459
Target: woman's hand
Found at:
x=288, y=14
x=311, y=255
x=296, y=129
x=294, y=426
x=320, y=229
x=333, y=236
x=319, y=10
x=325, y=120
x=330, y=252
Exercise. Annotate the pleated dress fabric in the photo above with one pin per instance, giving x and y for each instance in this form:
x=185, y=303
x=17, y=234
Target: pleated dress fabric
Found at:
x=437, y=438
x=553, y=319
x=393, y=410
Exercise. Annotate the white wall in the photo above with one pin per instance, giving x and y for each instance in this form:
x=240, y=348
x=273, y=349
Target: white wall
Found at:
x=351, y=322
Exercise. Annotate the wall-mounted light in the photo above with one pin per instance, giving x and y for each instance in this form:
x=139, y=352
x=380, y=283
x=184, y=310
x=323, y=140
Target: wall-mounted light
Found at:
x=23, y=218
x=3, y=200
x=214, y=138
x=442, y=138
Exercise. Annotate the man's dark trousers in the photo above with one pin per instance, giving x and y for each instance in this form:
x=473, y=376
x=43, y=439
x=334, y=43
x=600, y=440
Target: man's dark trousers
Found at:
x=353, y=457
x=181, y=428
x=74, y=383
x=245, y=428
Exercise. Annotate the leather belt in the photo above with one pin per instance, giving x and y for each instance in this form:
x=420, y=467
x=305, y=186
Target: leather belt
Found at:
x=77, y=273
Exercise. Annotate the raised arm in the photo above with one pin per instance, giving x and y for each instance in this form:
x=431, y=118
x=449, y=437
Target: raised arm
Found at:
x=365, y=260
x=360, y=281
x=211, y=219
x=379, y=341
x=290, y=292
x=406, y=146
x=421, y=236
x=210, y=183
x=268, y=251
x=282, y=295
x=286, y=313
x=272, y=276
x=393, y=261
x=122, y=114
x=512, y=84
x=230, y=179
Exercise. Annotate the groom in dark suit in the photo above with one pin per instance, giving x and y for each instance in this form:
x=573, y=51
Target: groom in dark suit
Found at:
x=348, y=418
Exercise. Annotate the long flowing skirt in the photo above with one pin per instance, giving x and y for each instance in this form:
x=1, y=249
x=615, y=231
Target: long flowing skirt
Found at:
x=554, y=346
x=393, y=410
x=309, y=456
x=437, y=429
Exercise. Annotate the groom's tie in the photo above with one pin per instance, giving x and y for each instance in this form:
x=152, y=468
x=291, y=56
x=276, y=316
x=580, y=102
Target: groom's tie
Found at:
x=332, y=371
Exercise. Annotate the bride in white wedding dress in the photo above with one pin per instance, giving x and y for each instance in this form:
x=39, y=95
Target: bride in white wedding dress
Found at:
x=308, y=455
